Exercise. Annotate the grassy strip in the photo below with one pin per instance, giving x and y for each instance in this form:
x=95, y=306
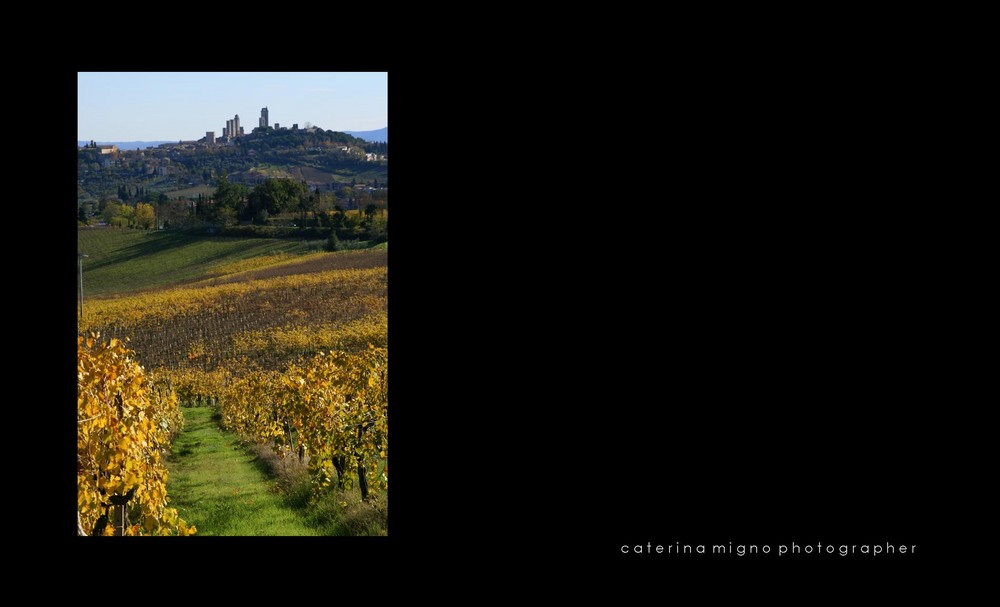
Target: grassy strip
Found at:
x=215, y=485
x=226, y=488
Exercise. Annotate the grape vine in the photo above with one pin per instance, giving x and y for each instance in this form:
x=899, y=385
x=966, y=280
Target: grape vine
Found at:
x=334, y=406
x=125, y=423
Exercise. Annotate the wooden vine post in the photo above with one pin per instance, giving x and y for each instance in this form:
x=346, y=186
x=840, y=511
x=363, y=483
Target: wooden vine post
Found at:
x=119, y=502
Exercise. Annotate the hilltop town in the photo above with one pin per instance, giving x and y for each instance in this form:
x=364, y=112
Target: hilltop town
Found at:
x=348, y=171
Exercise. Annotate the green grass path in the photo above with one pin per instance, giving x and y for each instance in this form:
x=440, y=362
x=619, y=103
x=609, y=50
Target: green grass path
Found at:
x=216, y=485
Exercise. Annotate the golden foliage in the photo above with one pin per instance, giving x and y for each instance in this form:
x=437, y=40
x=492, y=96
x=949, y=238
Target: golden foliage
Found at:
x=125, y=423
x=271, y=321
x=289, y=361
x=335, y=404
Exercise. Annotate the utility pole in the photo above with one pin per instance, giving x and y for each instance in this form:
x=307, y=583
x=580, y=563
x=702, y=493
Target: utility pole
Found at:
x=81, y=256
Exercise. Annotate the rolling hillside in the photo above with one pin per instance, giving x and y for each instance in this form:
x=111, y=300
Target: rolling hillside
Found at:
x=125, y=261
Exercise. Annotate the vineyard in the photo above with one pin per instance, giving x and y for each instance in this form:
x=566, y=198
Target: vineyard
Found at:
x=266, y=323
x=290, y=351
x=334, y=406
x=124, y=427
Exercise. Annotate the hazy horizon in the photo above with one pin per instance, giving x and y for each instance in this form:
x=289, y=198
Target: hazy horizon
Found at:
x=174, y=106
x=87, y=141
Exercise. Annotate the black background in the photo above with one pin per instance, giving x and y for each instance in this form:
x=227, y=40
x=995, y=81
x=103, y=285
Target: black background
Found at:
x=694, y=299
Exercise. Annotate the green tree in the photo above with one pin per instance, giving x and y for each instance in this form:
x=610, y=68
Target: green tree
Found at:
x=333, y=243
x=363, y=198
x=274, y=196
x=110, y=211
x=229, y=195
x=307, y=204
x=224, y=216
x=347, y=195
x=325, y=202
x=339, y=217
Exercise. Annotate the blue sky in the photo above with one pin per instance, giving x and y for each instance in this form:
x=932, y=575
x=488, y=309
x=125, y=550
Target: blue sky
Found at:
x=168, y=106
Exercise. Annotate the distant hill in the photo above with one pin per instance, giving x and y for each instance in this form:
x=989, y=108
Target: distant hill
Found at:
x=381, y=134
x=126, y=145
x=323, y=159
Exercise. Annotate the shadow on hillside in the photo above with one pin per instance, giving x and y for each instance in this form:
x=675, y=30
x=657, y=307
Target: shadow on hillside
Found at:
x=159, y=242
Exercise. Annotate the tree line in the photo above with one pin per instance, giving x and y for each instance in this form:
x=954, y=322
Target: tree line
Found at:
x=234, y=203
